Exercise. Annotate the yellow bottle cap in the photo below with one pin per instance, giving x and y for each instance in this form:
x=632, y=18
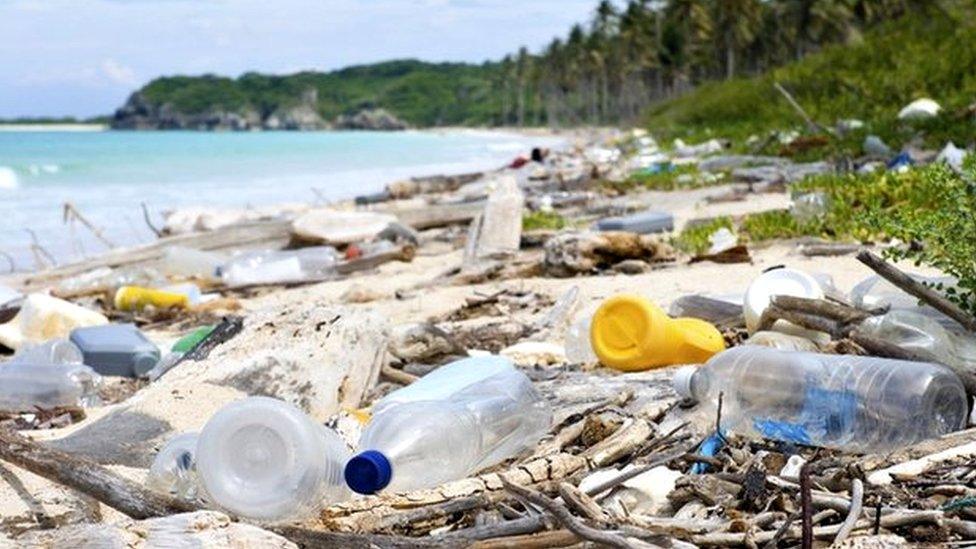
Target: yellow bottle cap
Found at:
x=622, y=328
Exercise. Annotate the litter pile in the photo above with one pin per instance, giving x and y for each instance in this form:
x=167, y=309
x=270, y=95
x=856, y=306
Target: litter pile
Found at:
x=484, y=360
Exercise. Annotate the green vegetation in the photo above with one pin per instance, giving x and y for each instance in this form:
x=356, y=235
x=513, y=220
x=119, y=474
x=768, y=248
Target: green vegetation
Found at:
x=543, y=220
x=870, y=80
x=694, y=239
x=422, y=94
x=752, y=228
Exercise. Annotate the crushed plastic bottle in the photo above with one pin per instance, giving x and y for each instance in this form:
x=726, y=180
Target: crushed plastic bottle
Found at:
x=47, y=376
x=264, y=459
x=499, y=230
x=850, y=403
x=42, y=318
x=174, y=470
x=630, y=333
x=923, y=335
x=273, y=266
x=576, y=343
x=448, y=426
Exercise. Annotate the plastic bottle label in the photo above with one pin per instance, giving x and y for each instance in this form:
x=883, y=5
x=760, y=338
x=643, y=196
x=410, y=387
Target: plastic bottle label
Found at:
x=826, y=416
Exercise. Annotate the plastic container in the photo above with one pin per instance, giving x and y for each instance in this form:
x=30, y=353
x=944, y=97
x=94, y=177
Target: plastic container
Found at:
x=179, y=261
x=136, y=298
x=579, y=349
x=448, y=427
x=780, y=281
x=116, y=349
x=642, y=223
x=499, y=232
x=850, y=403
x=875, y=292
x=923, y=335
x=47, y=376
x=182, y=346
x=42, y=318
x=274, y=266
x=630, y=333
x=264, y=459
x=174, y=471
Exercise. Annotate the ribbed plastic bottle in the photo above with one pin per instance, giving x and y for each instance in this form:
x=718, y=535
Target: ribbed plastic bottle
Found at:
x=47, y=376
x=851, y=403
x=458, y=420
x=264, y=459
x=271, y=266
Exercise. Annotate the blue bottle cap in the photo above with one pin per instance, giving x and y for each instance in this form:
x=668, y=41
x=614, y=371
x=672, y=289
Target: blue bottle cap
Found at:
x=368, y=472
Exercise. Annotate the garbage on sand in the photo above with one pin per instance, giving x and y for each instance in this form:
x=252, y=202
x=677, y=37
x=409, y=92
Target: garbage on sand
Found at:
x=46, y=376
x=42, y=318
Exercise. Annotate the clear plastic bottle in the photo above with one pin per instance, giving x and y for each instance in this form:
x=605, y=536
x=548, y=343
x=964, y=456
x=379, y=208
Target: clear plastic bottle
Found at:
x=47, y=376
x=174, y=471
x=579, y=349
x=264, y=459
x=423, y=443
x=875, y=292
x=272, y=266
x=851, y=403
x=924, y=335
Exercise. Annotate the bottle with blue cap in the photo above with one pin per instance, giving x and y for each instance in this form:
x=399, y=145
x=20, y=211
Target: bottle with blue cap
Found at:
x=454, y=422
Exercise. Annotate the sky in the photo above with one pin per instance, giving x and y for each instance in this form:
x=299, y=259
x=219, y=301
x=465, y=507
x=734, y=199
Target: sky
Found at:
x=84, y=57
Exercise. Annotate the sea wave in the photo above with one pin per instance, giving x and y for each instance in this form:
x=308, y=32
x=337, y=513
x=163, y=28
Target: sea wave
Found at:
x=38, y=169
x=8, y=178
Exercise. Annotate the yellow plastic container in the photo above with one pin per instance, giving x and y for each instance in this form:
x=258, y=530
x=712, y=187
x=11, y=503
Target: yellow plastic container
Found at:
x=630, y=333
x=135, y=298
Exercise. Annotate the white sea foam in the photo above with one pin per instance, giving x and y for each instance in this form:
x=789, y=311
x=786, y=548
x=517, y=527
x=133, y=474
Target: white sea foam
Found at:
x=8, y=178
x=38, y=169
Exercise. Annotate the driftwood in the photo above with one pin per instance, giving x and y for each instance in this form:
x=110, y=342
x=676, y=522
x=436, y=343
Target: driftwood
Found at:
x=811, y=125
x=88, y=478
x=432, y=216
x=915, y=288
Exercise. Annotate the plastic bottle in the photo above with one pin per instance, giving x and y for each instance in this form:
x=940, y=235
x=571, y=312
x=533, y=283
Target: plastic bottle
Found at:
x=47, y=376
x=180, y=261
x=579, y=349
x=116, y=349
x=179, y=349
x=174, y=471
x=500, y=230
x=272, y=266
x=42, y=318
x=781, y=281
x=850, y=403
x=432, y=437
x=136, y=298
x=923, y=335
x=630, y=333
x=264, y=459
x=875, y=292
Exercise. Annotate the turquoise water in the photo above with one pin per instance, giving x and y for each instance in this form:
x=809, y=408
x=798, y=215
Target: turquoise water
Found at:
x=107, y=175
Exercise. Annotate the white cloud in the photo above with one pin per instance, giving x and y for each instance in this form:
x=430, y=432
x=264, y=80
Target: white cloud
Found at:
x=119, y=73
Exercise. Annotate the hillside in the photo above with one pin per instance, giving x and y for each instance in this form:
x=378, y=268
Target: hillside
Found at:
x=415, y=92
x=870, y=80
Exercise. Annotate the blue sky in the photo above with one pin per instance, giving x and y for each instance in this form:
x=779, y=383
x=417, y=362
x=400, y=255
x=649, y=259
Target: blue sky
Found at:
x=83, y=57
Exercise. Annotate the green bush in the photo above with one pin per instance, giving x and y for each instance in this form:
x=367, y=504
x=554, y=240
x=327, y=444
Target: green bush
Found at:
x=543, y=220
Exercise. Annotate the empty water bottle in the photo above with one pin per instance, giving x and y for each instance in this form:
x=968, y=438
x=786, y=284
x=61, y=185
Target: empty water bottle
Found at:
x=851, y=403
x=448, y=427
x=264, y=459
x=47, y=376
x=174, y=471
x=273, y=266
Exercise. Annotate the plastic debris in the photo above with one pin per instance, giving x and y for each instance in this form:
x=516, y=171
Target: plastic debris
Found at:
x=874, y=146
x=47, y=376
x=953, y=156
x=174, y=470
x=42, y=318
x=116, y=349
x=274, y=266
x=722, y=240
x=920, y=109
x=781, y=281
x=642, y=223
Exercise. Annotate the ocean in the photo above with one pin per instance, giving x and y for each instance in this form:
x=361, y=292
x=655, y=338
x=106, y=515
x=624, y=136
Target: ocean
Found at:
x=107, y=175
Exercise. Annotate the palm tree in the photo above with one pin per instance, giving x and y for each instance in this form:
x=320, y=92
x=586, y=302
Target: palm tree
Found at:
x=737, y=22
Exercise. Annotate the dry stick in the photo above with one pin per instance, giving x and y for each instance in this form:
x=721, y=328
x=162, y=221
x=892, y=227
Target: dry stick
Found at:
x=88, y=478
x=806, y=505
x=857, y=502
x=40, y=254
x=565, y=518
x=813, y=126
x=149, y=223
x=627, y=475
x=580, y=502
x=913, y=287
x=820, y=307
x=397, y=375
x=808, y=321
x=70, y=211
x=782, y=530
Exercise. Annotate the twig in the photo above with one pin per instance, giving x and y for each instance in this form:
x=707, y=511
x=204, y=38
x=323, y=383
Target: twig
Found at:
x=808, y=321
x=581, y=503
x=149, y=223
x=782, y=530
x=877, y=517
x=71, y=212
x=40, y=254
x=821, y=307
x=397, y=375
x=565, y=518
x=857, y=502
x=813, y=126
x=627, y=475
x=806, y=505
x=915, y=288
x=88, y=478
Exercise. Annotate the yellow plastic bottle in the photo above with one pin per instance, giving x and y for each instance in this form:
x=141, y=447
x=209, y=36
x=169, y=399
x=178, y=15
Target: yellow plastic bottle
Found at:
x=630, y=333
x=135, y=298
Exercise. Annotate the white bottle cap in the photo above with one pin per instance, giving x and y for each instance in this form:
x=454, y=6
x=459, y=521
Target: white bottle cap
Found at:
x=777, y=282
x=681, y=382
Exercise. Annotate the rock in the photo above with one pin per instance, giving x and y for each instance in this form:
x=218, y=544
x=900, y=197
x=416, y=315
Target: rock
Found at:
x=571, y=253
x=319, y=358
x=874, y=146
x=358, y=293
x=337, y=227
x=887, y=541
x=199, y=529
x=139, y=113
x=535, y=353
x=920, y=109
x=631, y=267
x=370, y=119
x=303, y=116
x=422, y=342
